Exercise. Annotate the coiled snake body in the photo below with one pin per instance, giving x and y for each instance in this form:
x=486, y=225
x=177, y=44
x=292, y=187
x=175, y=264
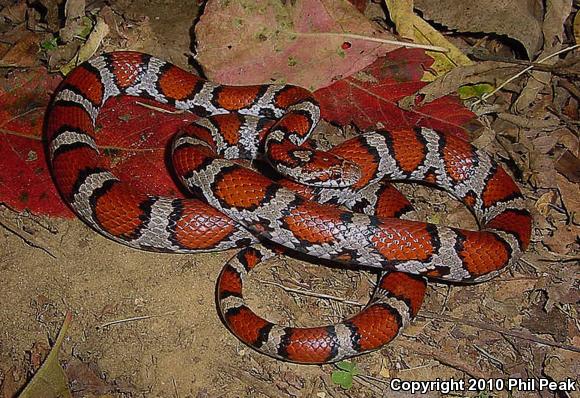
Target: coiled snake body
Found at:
x=237, y=207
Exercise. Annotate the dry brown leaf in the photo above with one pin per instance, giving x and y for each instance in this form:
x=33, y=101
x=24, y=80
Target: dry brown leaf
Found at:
x=543, y=203
x=569, y=166
x=304, y=42
x=74, y=23
x=512, y=290
x=15, y=13
x=562, y=366
x=50, y=14
x=518, y=19
x=553, y=31
x=560, y=288
x=23, y=53
x=557, y=12
x=74, y=9
x=570, y=195
x=562, y=240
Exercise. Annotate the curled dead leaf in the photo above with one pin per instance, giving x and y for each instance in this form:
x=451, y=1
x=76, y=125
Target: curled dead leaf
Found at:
x=543, y=203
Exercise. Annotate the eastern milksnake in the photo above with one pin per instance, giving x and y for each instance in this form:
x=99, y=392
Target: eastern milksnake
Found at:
x=238, y=207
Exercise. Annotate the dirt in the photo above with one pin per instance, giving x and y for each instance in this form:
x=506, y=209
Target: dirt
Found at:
x=146, y=324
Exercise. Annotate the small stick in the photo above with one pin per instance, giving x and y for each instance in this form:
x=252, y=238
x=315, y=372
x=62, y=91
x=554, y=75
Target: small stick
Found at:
x=135, y=318
x=490, y=327
x=312, y=294
x=485, y=96
x=378, y=40
x=447, y=360
x=557, y=69
x=30, y=241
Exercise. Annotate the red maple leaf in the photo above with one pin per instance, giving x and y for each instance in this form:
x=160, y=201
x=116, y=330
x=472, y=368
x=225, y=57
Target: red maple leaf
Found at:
x=369, y=98
x=25, y=182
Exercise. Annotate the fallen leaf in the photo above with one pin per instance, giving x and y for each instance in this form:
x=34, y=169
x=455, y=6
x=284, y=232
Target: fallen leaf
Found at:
x=88, y=49
x=369, y=98
x=23, y=53
x=50, y=381
x=518, y=19
x=561, y=288
x=562, y=240
x=551, y=322
x=553, y=25
x=77, y=28
x=309, y=43
x=360, y=5
x=37, y=354
x=469, y=91
x=562, y=365
x=24, y=179
x=82, y=378
x=544, y=202
x=512, y=290
x=74, y=9
x=570, y=195
x=412, y=27
x=15, y=13
x=11, y=381
x=569, y=166
x=557, y=11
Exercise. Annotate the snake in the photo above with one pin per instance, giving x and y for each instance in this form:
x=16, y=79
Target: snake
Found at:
x=328, y=206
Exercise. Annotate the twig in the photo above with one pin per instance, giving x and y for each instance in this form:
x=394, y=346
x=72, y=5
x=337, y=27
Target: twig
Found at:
x=557, y=69
x=527, y=122
x=262, y=386
x=486, y=96
x=175, y=387
x=492, y=328
x=31, y=241
x=377, y=40
x=376, y=385
x=444, y=359
x=490, y=357
x=312, y=294
x=135, y=318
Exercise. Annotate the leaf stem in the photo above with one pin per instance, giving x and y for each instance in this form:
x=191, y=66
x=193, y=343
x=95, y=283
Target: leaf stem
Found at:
x=376, y=39
x=485, y=96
